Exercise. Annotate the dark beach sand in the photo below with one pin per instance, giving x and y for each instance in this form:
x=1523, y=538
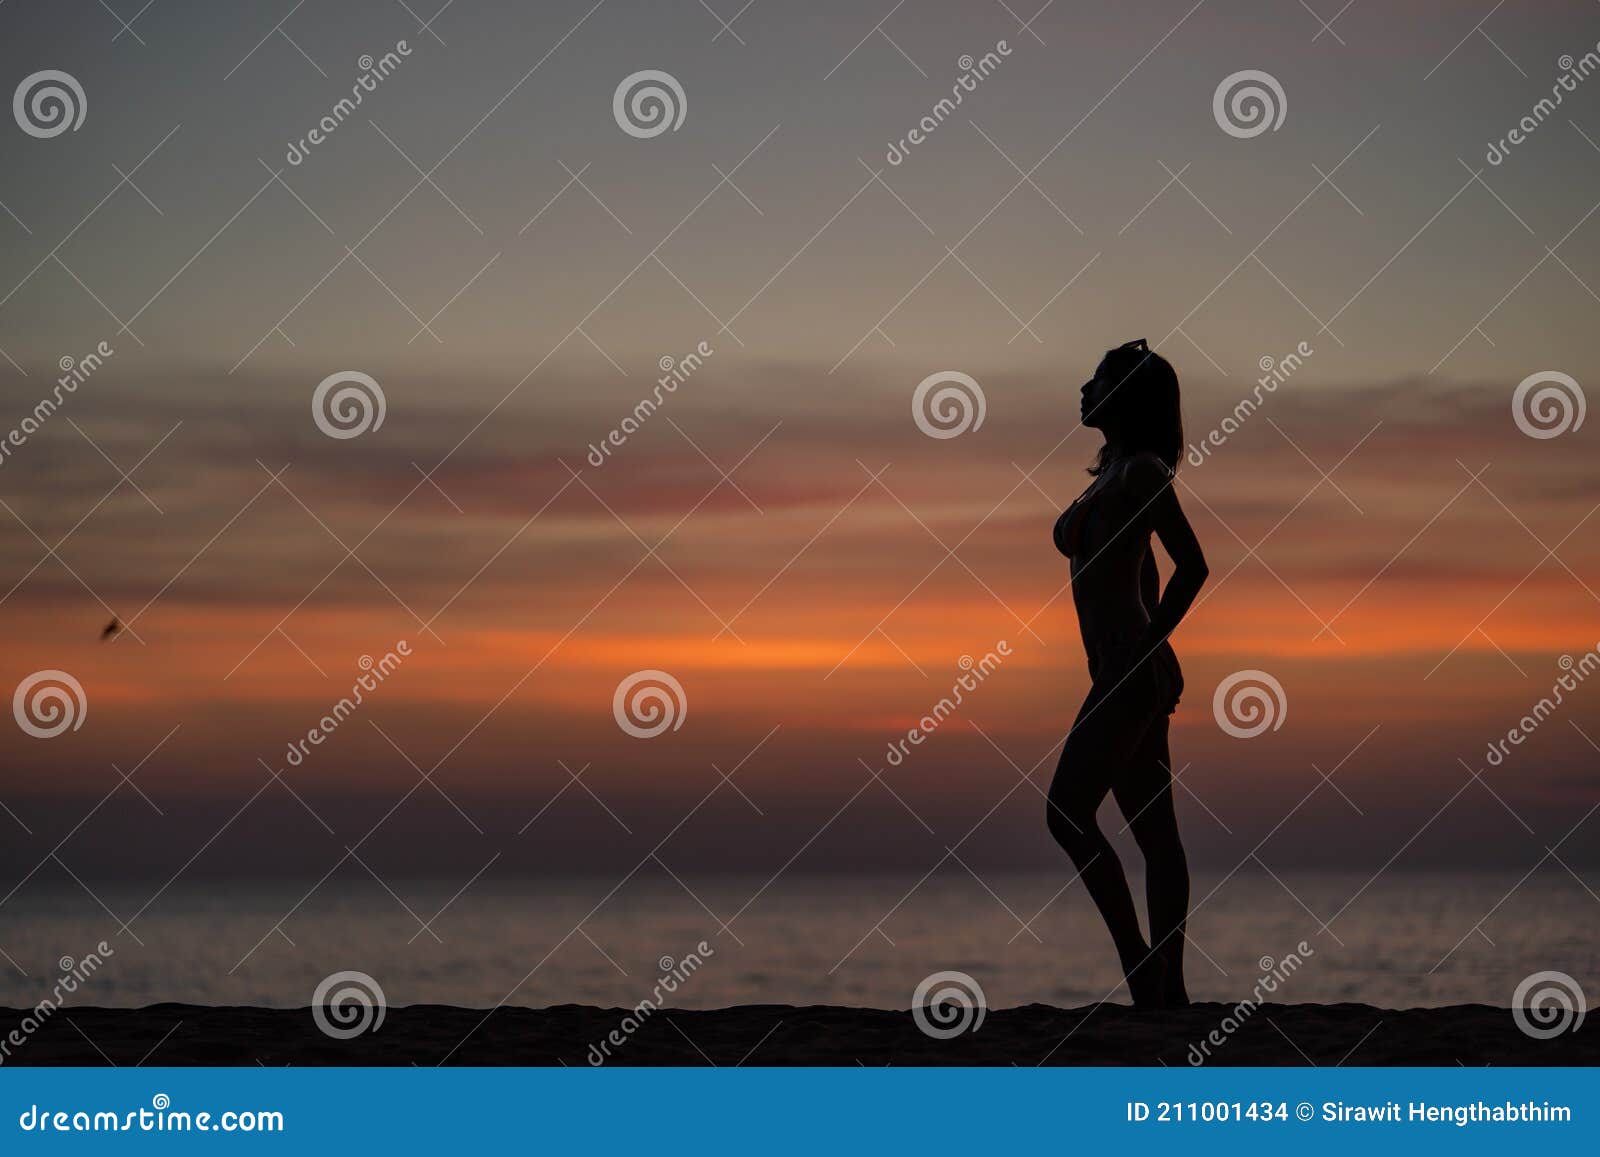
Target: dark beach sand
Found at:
x=775, y=1034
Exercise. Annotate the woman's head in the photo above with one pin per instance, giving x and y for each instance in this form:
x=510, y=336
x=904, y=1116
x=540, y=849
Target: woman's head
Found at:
x=1133, y=400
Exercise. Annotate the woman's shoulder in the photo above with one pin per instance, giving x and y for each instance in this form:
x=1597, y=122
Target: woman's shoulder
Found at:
x=1144, y=471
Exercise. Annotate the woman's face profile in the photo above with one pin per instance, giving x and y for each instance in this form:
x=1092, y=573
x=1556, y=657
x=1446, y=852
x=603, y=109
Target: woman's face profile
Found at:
x=1095, y=391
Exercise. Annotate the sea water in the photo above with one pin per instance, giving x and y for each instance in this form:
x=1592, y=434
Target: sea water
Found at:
x=1400, y=940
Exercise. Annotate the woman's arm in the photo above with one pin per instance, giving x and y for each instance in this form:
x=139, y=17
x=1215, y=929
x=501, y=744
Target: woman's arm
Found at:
x=1150, y=479
x=1149, y=583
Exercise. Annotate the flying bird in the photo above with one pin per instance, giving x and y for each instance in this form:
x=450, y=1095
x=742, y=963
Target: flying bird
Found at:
x=111, y=629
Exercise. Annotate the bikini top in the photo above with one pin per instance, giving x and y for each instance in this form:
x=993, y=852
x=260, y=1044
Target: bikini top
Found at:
x=1068, y=533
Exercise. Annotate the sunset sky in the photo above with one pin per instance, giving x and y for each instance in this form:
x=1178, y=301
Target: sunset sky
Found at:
x=780, y=536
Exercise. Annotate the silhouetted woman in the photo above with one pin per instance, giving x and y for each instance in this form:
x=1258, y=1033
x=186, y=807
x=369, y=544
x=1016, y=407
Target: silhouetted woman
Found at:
x=1119, y=741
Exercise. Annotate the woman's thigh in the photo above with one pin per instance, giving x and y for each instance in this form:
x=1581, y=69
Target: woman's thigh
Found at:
x=1107, y=735
x=1144, y=788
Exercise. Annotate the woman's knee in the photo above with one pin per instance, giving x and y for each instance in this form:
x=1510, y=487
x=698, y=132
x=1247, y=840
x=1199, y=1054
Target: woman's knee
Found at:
x=1160, y=846
x=1072, y=825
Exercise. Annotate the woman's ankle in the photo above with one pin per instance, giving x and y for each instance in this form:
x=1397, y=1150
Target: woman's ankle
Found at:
x=1148, y=983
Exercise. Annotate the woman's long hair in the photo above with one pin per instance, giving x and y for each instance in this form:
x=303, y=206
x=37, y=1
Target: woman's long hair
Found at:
x=1143, y=407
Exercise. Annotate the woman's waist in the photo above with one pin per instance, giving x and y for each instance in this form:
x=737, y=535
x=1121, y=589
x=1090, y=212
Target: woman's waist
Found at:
x=1125, y=650
x=1124, y=640
x=1112, y=625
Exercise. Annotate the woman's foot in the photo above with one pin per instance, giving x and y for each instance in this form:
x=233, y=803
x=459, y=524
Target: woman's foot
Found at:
x=1174, y=990
x=1148, y=984
x=1176, y=996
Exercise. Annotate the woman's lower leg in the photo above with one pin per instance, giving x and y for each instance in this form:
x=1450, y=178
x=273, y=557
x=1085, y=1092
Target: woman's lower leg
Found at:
x=1107, y=885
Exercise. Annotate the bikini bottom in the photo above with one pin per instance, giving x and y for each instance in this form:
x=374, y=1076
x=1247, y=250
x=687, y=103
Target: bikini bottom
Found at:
x=1156, y=685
